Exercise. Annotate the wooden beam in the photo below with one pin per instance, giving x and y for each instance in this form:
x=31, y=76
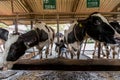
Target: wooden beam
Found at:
x=69, y=64
x=115, y=9
x=26, y=5
x=75, y=5
x=55, y=13
x=63, y=13
x=12, y=6
x=58, y=27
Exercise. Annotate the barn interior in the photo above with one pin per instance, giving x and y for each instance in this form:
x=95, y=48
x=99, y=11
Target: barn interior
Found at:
x=21, y=15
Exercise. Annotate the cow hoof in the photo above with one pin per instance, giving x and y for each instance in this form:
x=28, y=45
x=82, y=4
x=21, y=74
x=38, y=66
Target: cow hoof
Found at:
x=50, y=54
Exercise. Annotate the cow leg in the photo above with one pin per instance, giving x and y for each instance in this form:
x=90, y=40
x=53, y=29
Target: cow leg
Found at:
x=118, y=51
x=71, y=51
x=72, y=54
x=107, y=53
x=79, y=45
x=114, y=52
x=99, y=49
x=40, y=51
x=102, y=51
x=85, y=45
x=95, y=47
x=65, y=54
x=78, y=54
x=51, y=48
x=47, y=51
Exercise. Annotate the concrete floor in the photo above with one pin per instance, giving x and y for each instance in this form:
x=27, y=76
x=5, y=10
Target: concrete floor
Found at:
x=59, y=75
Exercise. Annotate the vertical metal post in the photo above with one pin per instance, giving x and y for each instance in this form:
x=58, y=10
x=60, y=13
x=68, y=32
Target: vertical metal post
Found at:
x=16, y=24
x=31, y=22
x=58, y=27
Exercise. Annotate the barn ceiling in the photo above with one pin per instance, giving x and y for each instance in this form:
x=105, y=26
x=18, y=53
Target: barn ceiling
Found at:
x=68, y=10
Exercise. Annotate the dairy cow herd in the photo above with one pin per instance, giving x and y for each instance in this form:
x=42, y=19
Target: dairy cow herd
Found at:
x=95, y=26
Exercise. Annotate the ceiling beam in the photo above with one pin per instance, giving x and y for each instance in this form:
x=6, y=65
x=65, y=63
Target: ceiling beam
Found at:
x=116, y=7
x=26, y=5
x=75, y=5
x=66, y=13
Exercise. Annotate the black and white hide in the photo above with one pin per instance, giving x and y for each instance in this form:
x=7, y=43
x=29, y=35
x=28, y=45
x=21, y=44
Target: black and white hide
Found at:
x=109, y=48
x=40, y=36
x=115, y=49
x=96, y=27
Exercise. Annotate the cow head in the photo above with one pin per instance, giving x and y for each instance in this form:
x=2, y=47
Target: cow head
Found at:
x=25, y=41
x=16, y=46
x=3, y=56
x=116, y=26
x=99, y=29
x=16, y=50
x=3, y=34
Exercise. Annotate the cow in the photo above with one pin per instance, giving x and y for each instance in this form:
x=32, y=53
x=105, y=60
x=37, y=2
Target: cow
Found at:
x=50, y=35
x=40, y=36
x=96, y=26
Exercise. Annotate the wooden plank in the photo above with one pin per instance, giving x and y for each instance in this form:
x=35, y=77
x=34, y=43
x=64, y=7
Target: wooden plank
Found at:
x=69, y=64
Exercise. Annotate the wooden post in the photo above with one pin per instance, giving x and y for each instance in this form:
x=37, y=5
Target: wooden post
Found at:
x=31, y=22
x=58, y=27
x=58, y=34
x=12, y=6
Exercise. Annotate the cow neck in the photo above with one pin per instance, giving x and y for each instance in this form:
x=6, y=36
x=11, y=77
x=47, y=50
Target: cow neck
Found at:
x=37, y=33
x=74, y=32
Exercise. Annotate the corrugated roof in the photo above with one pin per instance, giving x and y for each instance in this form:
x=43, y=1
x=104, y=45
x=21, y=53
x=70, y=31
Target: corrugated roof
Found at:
x=67, y=9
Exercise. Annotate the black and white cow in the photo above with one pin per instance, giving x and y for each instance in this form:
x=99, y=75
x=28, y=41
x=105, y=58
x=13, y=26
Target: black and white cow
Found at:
x=95, y=26
x=40, y=36
x=50, y=35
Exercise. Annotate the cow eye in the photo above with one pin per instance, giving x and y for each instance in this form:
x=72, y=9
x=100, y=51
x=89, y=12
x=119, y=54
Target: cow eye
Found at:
x=97, y=22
